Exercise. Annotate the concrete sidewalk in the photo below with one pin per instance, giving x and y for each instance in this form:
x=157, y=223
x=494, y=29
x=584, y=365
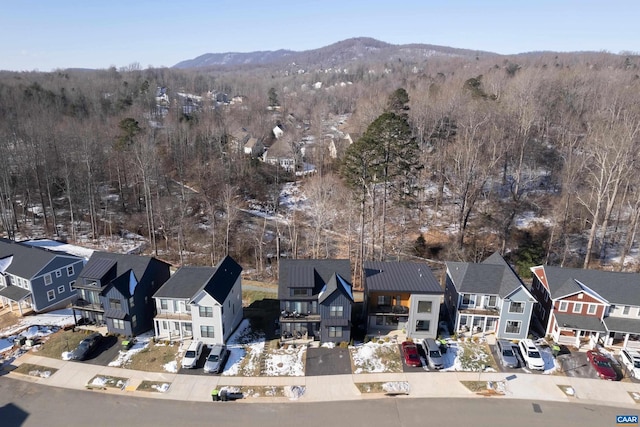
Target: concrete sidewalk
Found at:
x=76, y=375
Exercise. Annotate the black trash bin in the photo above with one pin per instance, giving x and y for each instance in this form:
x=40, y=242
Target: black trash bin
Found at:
x=223, y=395
x=215, y=395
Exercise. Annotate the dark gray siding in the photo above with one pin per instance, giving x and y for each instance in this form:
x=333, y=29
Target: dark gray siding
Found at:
x=336, y=299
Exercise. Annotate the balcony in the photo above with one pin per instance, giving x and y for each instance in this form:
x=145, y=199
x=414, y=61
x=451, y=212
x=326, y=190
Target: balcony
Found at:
x=388, y=309
x=166, y=315
x=81, y=304
x=480, y=310
x=295, y=317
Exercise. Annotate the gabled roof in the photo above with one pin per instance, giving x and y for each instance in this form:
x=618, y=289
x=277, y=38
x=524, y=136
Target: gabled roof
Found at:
x=417, y=278
x=28, y=261
x=225, y=276
x=336, y=284
x=296, y=273
x=493, y=276
x=614, y=287
x=188, y=282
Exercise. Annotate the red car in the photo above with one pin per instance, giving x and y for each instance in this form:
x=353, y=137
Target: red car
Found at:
x=602, y=365
x=411, y=356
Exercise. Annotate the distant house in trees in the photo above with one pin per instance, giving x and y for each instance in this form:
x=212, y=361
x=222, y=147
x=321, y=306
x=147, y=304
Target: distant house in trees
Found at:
x=253, y=147
x=282, y=153
x=40, y=279
x=278, y=131
x=116, y=290
x=202, y=303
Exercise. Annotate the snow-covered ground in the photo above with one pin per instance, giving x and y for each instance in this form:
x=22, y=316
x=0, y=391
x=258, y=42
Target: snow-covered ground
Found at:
x=375, y=356
x=141, y=342
x=59, y=318
x=244, y=344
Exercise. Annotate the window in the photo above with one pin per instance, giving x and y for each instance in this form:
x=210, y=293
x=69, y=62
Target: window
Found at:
x=51, y=295
x=299, y=292
x=134, y=321
x=58, y=273
x=335, y=331
x=516, y=307
x=115, y=303
x=592, y=309
x=206, y=331
x=47, y=279
x=577, y=307
x=424, y=306
x=563, y=306
x=163, y=304
x=469, y=299
x=336, y=310
x=423, y=325
x=132, y=302
x=491, y=301
x=118, y=324
x=176, y=326
x=72, y=284
x=379, y=320
x=70, y=271
x=384, y=299
x=626, y=309
x=512, y=327
x=61, y=289
x=188, y=327
x=206, y=311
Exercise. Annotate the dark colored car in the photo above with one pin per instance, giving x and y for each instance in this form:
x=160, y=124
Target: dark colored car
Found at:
x=86, y=347
x=411, y=356
x=602, y=365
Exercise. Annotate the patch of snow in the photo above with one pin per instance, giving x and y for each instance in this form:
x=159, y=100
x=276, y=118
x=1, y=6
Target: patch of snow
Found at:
x=54, y=245
x=367, y=357
x=141, y=342
x=5, y=345
x=550, y=363
x=570, y=391
x=99, y=382
x=396, y=387
x=294, y=392
x=59, y=318
x=245, y=348
x=162, y=388
x=529, y=218
x=286, y=362
x=171, y=367
x=66, y=355
x=329, y=345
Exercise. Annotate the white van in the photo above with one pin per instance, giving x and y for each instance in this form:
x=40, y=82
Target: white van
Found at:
x=192, y=355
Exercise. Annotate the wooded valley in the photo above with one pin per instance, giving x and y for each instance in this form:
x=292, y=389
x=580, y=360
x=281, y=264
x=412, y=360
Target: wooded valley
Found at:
x=447, y=157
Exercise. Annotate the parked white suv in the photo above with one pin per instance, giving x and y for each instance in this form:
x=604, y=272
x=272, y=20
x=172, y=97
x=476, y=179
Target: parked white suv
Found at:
x=531, y=354
x=192, y=355
x=631, y=359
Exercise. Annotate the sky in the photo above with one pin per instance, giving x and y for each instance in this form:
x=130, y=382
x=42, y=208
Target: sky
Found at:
x=46, y=35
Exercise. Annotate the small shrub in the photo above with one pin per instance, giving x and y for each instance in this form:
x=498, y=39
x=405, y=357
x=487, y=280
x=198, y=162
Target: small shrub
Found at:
x=343, y=344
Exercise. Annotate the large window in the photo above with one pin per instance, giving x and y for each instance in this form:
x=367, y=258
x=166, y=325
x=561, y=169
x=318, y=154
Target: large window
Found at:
x=592, y=309
x=626, y=309
x=516, y=307
x=336, y=310
x=422, y=325
x=299, y=292
x=335, y=331
x=491, y=301
x=513, y=327
x=51, y=295
x=563, y=306
x=71, y=285
x=577, y=307
x=424, y=306
x=47, y=279
x=118, y=324
x=469, y=300
x=115, y=304
x=206, y=311
x=164, y=304
x=206, y=331
x=384, y=299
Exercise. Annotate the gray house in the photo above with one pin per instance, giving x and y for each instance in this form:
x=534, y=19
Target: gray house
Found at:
x=116, y=290
x=315, y=299
x=402, y=295
x=36, y=278
x=203, y=303
x=488, y=297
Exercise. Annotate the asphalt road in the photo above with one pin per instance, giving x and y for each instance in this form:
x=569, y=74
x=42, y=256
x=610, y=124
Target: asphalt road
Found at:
x=27, y=404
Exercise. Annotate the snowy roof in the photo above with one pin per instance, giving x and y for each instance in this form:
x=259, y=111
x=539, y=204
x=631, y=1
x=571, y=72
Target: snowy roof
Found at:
x=400, y=277
x=54, y=245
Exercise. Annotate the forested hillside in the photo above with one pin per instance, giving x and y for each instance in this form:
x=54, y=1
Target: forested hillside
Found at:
x=450, y=156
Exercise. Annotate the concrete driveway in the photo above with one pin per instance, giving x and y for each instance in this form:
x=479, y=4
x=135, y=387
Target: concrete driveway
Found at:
x=328, y=361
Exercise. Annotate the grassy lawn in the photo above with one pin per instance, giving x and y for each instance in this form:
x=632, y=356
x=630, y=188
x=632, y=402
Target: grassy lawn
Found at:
x=370, y=387
x=475, y=386
x=153, y=358
x=35, y=370
x=250, y=296
x=104, y=381
x=475, y=356
x=61, y=341
x=153, y=386
x=378, y=356
x=259, y=391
